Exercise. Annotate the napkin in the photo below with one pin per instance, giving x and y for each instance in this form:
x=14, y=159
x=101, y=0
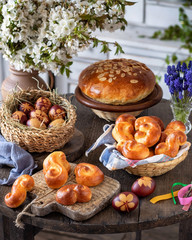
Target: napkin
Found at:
x=17, y=158
x=113, y=159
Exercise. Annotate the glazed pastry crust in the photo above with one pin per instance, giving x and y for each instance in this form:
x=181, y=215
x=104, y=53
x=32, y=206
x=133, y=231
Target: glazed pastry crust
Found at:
x=117, y=81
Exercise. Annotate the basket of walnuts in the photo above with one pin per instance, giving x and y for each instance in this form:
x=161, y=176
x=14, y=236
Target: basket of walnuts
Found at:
x=37, y=120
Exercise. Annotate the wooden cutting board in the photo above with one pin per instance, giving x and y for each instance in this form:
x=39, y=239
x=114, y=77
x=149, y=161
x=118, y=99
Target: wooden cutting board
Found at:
x=45, y=202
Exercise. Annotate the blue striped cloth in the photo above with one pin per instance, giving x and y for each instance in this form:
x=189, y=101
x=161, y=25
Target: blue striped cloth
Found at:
x=20, y=161
x=113, y=159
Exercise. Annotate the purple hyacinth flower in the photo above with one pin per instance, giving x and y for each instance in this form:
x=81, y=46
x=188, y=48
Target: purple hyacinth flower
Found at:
x=172, y=87
x=173, y=69
x=188, y=76
x=179, y=81
x=178, y=68
x=169, y=70
x=190, y=65
x=185, y=86
x=166, y=79
x=178, y=84
x=184, y=67
x=175, y=75
x=190, y=90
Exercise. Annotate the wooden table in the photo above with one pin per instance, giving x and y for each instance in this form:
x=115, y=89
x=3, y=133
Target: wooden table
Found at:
x=146, y=215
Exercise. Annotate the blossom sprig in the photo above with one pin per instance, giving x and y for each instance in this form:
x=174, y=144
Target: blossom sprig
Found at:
x=46, y=34
x=179, y=80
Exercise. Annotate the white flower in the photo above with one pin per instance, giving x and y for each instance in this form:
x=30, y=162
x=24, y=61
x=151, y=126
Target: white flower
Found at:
x=46, y=34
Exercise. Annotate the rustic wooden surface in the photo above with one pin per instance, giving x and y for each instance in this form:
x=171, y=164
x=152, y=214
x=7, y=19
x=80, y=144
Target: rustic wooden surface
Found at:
x=73, y=149
x=146, y=215
x=45, y=202
x=170, y=232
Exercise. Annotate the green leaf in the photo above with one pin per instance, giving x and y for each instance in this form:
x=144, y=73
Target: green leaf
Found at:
x=118, y=49
x=158, y=78
x=174, y=58
x=69, y=64
x=105, y=48
x=95, y=42
x=68, y=71
x=129, y=3
x=167, y=59
x=62, y=70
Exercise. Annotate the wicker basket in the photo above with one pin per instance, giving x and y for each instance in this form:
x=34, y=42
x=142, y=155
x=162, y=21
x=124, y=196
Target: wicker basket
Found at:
x=112, y=116
x=33, y=139
x=157, y=169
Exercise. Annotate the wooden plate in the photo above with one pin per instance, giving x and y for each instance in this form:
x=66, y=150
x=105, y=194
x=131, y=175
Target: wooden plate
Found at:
x=147, y=102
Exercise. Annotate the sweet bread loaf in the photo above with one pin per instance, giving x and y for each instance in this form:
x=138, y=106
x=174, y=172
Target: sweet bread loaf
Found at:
x=134, y=150
x=126, y=117
x=123, y=131
x=148, y=131
x=88, y=174
x=159, y=121
x=56, y=169
x=172, y=143
x=176, y=125
x=147, y=136
x=70, y=194
x=19, y=190
x=117, y=81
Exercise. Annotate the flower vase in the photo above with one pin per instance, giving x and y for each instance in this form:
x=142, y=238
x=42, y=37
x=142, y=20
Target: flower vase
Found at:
x=18, y=80
x=181, y=112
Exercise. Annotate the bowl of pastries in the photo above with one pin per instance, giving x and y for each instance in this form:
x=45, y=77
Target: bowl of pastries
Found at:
x=115, y=86
x=37, y=120
x=142, y=146
x=144, y=137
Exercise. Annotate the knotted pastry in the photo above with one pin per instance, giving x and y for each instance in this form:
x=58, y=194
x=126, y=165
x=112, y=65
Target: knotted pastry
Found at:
x=125, y=117
x=88, y=174
x=172, y=143
x=145, y=119
x=119, y=146
x=159, y=121
x=134, y=150
x=19, y=190
x=163, y=137
x=171, y=127
x=56, y=169
x=175, y=125
x=142, y=120
x=123, y=131
x=70, y=194
x=148, y=131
